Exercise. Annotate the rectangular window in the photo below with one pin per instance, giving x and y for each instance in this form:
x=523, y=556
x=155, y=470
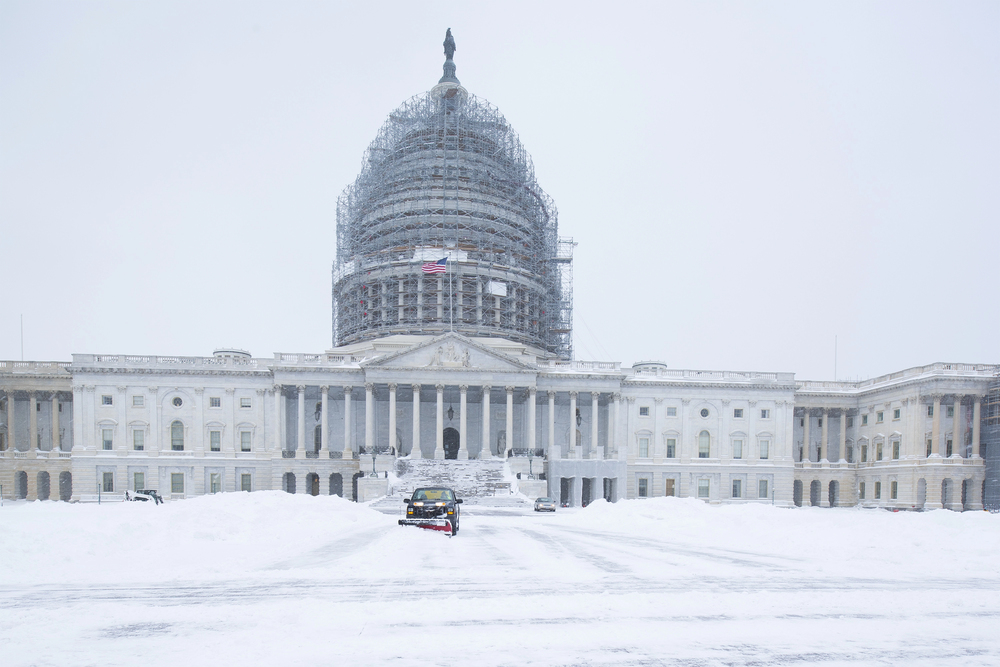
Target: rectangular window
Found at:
x=895, y=414
x=878, y=451
x=139, y=481
x=138, y=401
x=762, y=488
x=108, y=482
x=930, y=446
x=245, y=482
x=879, y=416
x=737, y=413
x=245, y=403
x=864, y=420
x=765, y=449
x=176, y=482
x=737, y=449
x=106, y=400
x=893, y=490
x=643, y=448
x=765, y=414
x=215, y=440
x=668, y=488
x=244, y=441
x=861, y=491
x=138, y=440
x=947, y=447
x=895, y=449
x=819, y=422
x=644, y=411
x=671, y=448
x=878, y=490
x=864, y=453
x=802, y=423
x=850, y=422
x=671, y=412
x=951, y=411
x=215, y=402
x=643, y=487
x=850, y=454
x=930, y=410
x=107, y=438
x=215, y=482
x=703, y=487
x=737, y=488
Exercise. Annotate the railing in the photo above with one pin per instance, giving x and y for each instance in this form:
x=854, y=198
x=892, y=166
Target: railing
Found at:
x=33, y=367
x=712, y=376
x=524, y=451
x=980, y=370
x=301, y=359
x=151, y=361
x=336, y=455
x=288, y=453
x=312, y=454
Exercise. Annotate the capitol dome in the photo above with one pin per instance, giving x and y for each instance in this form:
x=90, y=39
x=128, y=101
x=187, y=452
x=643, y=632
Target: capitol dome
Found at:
x=446, y=229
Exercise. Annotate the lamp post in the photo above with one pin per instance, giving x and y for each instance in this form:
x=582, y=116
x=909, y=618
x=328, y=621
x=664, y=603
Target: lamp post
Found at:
x=531, y=458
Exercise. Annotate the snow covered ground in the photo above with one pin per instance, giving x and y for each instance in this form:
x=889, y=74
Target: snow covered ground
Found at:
x=273, y=579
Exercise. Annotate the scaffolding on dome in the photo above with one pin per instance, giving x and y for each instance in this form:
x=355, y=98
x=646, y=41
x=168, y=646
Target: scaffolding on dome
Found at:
x=990, y=446
x=448, y=178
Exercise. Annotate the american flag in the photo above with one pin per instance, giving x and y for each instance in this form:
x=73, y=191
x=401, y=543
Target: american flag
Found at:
x=439, y=266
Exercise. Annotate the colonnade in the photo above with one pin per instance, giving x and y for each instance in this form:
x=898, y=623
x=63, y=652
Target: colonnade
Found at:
x=34, y=442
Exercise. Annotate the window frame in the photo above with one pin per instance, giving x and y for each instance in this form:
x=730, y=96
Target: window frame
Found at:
x=642, y=487
x=704, y=445
x=138, y=439
x=765, y=413
x=764, y=449
x=138, y=401
x=215, y=440
x=643, y=410
x=107, y=441
x=107, y=400
x=704, y=484
x=671, y=448
x=246, y=403
x=107, y=481
x=176, y=426
x=737, y=488
x=762, y=490
x=644, y=447
x=738, y=448
x=246, y=482
x=671, y=411
x=737, y=413
x=174, y=478
x=215, y=402
x=246, y=441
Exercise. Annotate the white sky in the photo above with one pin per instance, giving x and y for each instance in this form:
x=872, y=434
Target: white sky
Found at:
x=746, y=181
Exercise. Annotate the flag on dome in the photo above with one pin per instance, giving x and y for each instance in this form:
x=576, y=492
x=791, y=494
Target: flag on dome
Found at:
x=439, y=266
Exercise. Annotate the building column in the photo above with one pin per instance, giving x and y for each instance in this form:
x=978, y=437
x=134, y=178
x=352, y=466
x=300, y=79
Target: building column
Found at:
x=843, y=434
x=975, y=496
x=936, y=429
x=510, y=418
x=279, y=436
x=300, y=435
x=957, y=442
x=55, y=425
x=824, y=437
x=439, y=423
x=486, y=450
x=976, y=416
x=11, y=442
x=594, y=398
x=552, y=452
x=324, y=421
x=348, y=450
x=32, y=424
x=415, y=447
x=806, y=453
x=369, y=418
x=393, y=445
x=463, y=402
x=571, y=451
x=616, y=431
x=532, y=426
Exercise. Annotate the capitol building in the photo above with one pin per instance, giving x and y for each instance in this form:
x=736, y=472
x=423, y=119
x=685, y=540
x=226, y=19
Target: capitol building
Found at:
x=452, y=298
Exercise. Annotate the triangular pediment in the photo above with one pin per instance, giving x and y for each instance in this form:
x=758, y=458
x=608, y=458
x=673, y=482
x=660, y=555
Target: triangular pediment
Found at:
x=453, y=351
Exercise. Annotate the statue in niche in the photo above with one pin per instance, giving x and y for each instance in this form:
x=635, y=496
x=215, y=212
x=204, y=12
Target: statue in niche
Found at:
x=449, y=45
x=501, y=443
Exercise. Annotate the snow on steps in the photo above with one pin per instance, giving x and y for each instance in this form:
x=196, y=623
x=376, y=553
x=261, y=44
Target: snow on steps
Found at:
x=486, y=482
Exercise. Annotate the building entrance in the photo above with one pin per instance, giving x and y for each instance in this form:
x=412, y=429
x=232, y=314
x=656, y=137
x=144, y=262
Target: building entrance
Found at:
x=451, y=442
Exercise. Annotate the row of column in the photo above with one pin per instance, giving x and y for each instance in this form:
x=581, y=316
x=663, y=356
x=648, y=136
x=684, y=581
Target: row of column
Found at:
x=463, y=452
x=33, y=444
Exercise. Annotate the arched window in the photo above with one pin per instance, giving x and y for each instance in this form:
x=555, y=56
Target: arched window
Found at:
x=704, y=445
x=177, y=436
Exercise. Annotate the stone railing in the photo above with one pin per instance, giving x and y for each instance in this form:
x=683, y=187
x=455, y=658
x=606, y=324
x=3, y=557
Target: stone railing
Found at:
x=317, y=360
x=165, y=363
x=581, y=366
x=34, y=367
x=710, y=376
x=536, y=453
x=288, y=453
x=964, y=370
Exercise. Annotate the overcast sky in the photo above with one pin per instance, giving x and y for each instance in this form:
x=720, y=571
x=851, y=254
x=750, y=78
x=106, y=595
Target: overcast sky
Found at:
x=746, y=181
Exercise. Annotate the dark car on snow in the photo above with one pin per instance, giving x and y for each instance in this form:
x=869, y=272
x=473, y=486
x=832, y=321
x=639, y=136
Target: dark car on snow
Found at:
x=434, y=507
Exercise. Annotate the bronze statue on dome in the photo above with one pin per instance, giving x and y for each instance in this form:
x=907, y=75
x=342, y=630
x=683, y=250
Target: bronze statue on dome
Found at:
x=449, y=45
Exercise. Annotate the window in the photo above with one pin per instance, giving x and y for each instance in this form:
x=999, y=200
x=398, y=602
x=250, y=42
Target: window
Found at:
x=215, y=402
x=138, y=440
x=671, y=448
x=737, y=413
x=878, y=490
x=737, y=488
x=138, y=481
x=176, y=482
x=138, y=401
x=864, y=453
x=703, y=487
x=895, y=414
x=879, y=416
x=704, y=445
x=108, y=482
x=643, y=448
x=215, y=482
x=861, y=491
x=850, y=422
x=318, y=437
x=106, y=400
x=244, y=441
x=765, y=414
x=737, y=449
x=762, y=488
x=895, y=449
x=215, y=440
x=947, y=448
x=765, y=449
x=864, y=420
x=819, y=422
x=878, y=451
x=802, y=423
x=930, y=446
x=644, y=411
x=704, y=412
x=178, y=401
x=893, y=490
x=671, y=412
x=245, y=403
x=951, y=411
x=643, y=487
x=107, y=438
x=177, y=436
x=850, y=454
x=246, y=482
x=930, y=410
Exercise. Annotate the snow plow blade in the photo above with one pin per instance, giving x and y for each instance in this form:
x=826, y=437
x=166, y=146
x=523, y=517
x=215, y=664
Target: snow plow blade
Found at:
x=430, y=524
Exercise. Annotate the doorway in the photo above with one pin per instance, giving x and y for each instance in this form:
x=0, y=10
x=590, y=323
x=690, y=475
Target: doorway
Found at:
x=451, y=443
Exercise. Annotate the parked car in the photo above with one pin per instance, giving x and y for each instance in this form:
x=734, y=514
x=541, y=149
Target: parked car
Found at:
x=144, y=495
x=545, y=505
x=435, y=508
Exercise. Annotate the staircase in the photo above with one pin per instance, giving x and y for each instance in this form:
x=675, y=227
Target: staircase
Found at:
x=486, y=482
